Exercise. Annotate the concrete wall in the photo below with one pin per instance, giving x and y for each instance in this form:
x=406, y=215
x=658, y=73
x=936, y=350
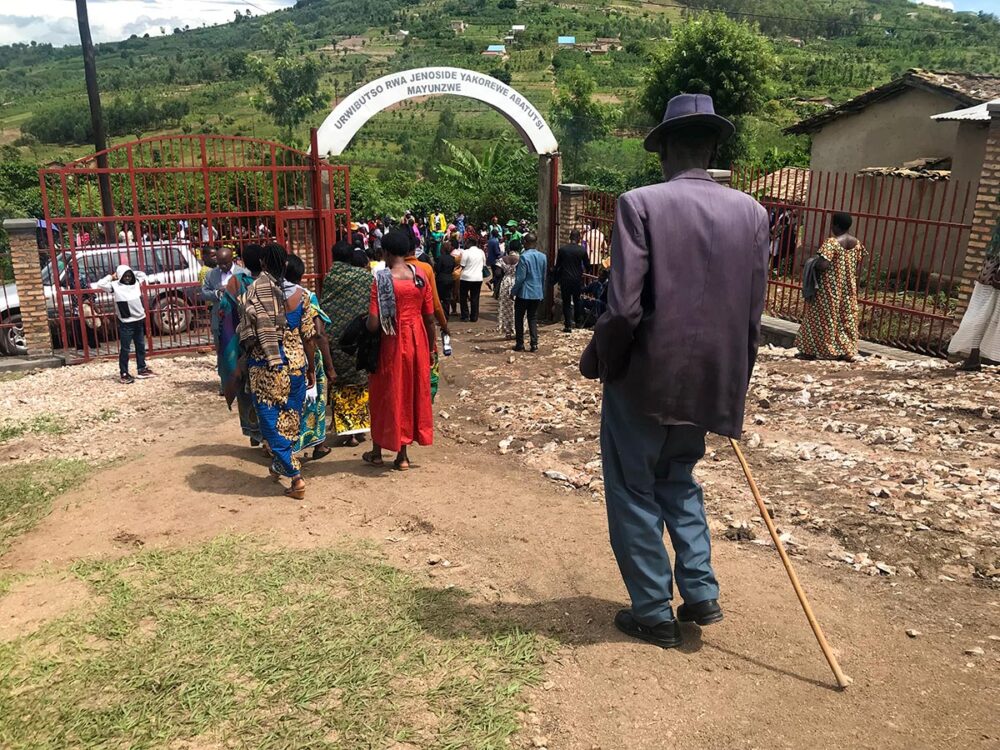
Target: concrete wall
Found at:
x=886, y=133
x=968, y=152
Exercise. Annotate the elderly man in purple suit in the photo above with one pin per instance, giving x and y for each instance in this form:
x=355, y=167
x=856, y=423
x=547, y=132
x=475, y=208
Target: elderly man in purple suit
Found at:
x=675, y=350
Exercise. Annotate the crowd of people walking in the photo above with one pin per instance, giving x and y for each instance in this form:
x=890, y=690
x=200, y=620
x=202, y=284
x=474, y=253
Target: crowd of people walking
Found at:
x=361, y=359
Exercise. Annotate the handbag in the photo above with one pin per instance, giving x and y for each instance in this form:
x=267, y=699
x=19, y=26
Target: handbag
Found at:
x=357, y=339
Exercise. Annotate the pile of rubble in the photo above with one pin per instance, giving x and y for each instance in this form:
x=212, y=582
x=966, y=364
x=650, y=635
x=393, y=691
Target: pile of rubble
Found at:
x=889, y=467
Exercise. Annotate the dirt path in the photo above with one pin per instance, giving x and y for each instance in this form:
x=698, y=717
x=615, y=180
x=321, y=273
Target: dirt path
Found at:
x=536, y=553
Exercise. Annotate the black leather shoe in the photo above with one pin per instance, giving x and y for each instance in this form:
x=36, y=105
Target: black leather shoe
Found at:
x=703, y=613
x=665, y=635
x=519, y=348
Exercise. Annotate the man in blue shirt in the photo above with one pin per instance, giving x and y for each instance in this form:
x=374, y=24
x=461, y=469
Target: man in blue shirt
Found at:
x=493, y=256
x=528, y=291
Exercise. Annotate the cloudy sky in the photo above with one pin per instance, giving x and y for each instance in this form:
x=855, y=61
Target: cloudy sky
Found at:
x=54, y=21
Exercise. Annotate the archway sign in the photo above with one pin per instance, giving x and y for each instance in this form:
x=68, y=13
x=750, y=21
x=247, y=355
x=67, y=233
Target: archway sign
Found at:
x=356, y=109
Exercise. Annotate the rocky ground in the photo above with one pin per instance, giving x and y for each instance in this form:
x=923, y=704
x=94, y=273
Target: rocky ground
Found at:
x=888, y=467
x=881, y=476
x=84, y=412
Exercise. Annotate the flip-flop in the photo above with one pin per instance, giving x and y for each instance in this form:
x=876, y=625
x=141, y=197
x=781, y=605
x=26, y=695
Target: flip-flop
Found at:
x=369, y=458
x=401, y=465
x=318, y=454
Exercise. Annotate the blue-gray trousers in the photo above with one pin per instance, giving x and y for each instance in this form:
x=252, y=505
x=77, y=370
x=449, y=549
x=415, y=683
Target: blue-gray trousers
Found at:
x=648, y=483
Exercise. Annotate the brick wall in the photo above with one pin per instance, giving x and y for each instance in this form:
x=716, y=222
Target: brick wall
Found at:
x=571, y=205
x=985, y=215
x=31, y=293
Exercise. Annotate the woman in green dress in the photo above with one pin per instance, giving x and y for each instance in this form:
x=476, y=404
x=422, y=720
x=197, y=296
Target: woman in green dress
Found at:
x=345, y=296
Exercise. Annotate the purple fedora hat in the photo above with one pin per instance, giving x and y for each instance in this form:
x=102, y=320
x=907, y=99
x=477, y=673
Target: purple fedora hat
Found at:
x=689, y=109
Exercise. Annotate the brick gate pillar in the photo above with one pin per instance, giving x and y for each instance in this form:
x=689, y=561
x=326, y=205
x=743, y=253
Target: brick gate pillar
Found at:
x=30, y=292
x=986, y=214
x=571, y=206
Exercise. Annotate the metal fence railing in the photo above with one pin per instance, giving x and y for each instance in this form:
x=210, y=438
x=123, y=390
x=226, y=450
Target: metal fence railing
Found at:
x=914, y=225
x=163, y=205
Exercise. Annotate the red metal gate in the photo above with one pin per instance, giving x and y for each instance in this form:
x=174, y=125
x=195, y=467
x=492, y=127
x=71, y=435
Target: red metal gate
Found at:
x=914, y=224
x=173, y=201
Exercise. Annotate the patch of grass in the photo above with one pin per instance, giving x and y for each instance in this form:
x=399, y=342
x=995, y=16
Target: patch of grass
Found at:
x=43, y=424
x=237, y=644
x=27, y=491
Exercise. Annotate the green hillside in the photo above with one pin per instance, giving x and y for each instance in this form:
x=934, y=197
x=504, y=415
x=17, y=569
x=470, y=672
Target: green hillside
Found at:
x=200, y=79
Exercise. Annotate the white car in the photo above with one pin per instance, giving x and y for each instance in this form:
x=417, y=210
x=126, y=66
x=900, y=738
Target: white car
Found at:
x=172, y=287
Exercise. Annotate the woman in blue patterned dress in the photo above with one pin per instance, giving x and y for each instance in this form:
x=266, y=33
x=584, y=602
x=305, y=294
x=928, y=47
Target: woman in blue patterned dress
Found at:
x=278, y=336
x=313, y=429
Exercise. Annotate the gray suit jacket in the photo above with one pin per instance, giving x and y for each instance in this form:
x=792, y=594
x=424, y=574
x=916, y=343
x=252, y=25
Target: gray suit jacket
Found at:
x=686, y=294
x=211, y=290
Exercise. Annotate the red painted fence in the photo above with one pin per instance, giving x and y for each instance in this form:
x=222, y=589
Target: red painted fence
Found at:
x=914, y=226
x=173, y=200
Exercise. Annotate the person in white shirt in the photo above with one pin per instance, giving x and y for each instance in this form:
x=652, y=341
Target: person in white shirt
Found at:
x=126, y=238
x=125, y=286
x=208, y=233
x=473, y=261
x=595, y=243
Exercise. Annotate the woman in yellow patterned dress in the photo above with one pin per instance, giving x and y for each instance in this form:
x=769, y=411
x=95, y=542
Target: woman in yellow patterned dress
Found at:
x=829, y=328
x=278, y=335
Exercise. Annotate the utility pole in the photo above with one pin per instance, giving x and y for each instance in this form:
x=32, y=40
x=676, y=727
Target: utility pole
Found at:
x=96, y=118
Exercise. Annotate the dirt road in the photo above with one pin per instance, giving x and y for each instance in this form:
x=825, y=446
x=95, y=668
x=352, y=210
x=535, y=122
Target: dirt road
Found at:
x=534, y=552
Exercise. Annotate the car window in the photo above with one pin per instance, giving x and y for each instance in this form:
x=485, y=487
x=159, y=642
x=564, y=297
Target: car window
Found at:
x=171, y=258
x=47, y=269
x=95, y=266
x=144, y=259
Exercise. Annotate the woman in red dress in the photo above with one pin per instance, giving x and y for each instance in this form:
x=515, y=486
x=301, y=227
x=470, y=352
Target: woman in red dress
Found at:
x=402, y=308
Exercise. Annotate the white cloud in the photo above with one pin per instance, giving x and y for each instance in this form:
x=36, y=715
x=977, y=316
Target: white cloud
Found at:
x=54, y=21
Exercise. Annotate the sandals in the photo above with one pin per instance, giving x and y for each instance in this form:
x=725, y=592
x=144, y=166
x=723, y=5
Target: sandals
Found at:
x=298, y=489
x=321, y=451
x=370, y=459
x=399, y=465
x=275, y=476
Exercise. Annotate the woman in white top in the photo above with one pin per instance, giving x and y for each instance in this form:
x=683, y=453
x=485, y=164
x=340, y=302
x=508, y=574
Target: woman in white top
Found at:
x=473, y=262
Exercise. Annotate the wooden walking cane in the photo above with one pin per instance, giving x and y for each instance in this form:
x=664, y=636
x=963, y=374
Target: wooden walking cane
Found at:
x=842, y=679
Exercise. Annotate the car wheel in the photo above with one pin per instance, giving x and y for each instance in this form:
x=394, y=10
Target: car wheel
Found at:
x=172, y=314
x=12, y=335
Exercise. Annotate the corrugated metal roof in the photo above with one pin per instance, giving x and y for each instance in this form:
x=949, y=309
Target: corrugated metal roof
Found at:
x=566, y=40
x=910, y=174
x=979, y=113
x=496, y=48
x=967, y=89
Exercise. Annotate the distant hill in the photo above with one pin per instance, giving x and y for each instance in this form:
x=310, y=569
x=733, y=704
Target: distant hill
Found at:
x=197, y=80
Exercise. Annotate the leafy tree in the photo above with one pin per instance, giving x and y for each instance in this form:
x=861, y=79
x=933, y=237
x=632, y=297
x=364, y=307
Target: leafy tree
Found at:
x=290, y=81
x=502, y=182
x=713, y=55
x=578, y=118
x=502, y=73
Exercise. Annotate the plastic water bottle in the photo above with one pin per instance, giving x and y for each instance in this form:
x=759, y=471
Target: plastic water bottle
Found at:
x=446, y=344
